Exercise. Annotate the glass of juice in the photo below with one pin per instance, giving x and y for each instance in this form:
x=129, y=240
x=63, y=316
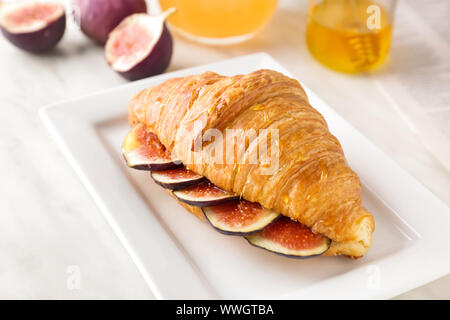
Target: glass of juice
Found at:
x=219, y=21
x=350, y=35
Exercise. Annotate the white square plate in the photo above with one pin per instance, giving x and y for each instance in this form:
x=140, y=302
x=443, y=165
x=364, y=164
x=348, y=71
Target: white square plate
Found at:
x=179, y=256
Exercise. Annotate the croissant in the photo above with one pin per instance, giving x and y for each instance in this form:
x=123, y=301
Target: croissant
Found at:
x=312, y=182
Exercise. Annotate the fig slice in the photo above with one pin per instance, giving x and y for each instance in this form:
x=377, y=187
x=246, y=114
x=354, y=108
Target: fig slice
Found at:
x=204, y=194
x=176, y=178
x=290, y=238
x=140, y=46
x=33, y=26
x=239, y=217
x=142, y=150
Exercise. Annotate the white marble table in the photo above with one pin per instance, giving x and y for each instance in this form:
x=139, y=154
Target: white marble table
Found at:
x=48, y=221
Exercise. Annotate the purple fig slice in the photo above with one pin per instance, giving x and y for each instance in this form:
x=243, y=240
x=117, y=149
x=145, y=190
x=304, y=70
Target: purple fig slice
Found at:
x=142, y=150
x=176, y=178
x=239, y=217
x=97, y=18
x=140, y=46
x=204, y=194
x=291, y=239
x=33, y=26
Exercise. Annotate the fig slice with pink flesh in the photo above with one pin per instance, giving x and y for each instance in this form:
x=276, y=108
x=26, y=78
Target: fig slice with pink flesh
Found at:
x=33, y=26
x=140, y=46
x=239, y=217
x=142, y=150
x=204, y=194
x=176, y=178
x=290, y=238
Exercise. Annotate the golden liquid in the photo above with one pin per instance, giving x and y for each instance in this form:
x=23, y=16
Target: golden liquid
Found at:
x=220, y=18
x=337, y=35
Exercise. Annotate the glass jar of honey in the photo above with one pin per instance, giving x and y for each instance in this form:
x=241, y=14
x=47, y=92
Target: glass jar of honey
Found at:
x=219, y=21
x=350, y=35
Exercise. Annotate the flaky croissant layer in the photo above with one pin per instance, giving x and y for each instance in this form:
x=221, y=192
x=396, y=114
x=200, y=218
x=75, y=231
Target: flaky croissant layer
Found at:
x=312, y=183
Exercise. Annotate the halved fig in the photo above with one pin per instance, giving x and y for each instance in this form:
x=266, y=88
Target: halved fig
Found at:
x=97, y=18
x=291, y=239
x=176, y=178
x=204, y=194
x=140, y=46
x=33, y=26
x=239, y=217
x=142, y=150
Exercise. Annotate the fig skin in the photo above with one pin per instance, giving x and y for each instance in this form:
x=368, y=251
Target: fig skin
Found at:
x=156, y=62
x=177, y=184
x=99, y=17
x=41, y=40
x=202, y=200
x=161, y=166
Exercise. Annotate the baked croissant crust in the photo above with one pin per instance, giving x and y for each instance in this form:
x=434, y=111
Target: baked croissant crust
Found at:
x=312, y=183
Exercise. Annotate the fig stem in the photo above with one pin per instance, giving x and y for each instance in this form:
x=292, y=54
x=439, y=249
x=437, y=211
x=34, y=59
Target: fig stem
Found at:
x=168, y=12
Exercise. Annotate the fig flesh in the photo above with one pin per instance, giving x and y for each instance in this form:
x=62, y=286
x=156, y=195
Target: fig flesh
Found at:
x=223, y=210
x=97, y=18
x=204, y=194
x=33, y=26
x=290, y=238
x=176, y=178
x=140, y=46
x=239, y=217
x=142, y=150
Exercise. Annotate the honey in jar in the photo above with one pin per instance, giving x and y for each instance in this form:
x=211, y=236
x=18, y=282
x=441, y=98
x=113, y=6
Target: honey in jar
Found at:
x=349, y=35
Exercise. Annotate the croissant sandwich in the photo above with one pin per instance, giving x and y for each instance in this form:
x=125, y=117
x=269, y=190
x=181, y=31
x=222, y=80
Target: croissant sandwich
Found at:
x=250, y=155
